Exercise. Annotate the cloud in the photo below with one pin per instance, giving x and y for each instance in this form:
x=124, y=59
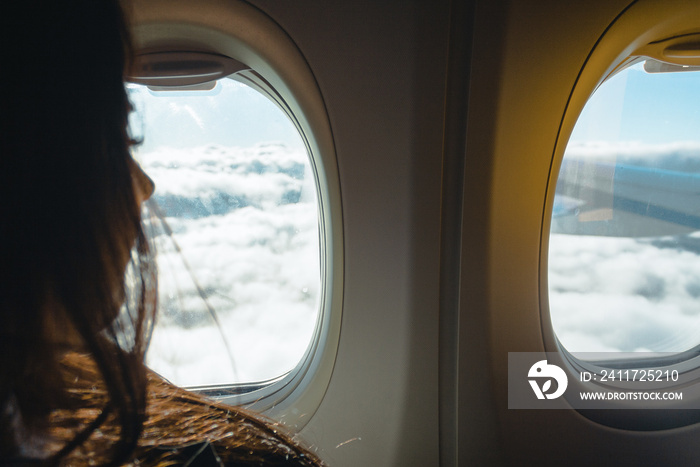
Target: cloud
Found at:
x=625, y=294
x=681, y=156
x=250, y=241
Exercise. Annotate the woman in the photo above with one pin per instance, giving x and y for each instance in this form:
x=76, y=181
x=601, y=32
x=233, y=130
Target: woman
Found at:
x=77, y=295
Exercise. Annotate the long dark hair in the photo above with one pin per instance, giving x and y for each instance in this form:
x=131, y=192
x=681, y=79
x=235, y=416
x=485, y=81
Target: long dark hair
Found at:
x=69, y=223
x=77, y=280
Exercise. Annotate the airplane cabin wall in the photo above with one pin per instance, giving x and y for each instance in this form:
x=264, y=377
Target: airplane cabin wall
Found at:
x=516, y=111
x=407, y=389
x=380, y=67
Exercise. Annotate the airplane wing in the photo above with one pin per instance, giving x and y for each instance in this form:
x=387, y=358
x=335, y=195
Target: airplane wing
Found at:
x=621, y=200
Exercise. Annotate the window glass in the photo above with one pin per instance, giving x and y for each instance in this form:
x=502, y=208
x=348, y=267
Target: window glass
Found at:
x=235, y=224
x=624, y=249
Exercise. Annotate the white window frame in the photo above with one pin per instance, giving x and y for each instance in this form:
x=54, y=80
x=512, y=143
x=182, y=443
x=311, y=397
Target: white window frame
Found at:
x=646, y=29
x=279, y=71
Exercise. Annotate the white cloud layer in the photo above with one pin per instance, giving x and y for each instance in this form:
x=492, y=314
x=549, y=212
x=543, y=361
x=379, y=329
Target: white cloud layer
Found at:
x=245, y=220
x=681, y=156
x=625, y=294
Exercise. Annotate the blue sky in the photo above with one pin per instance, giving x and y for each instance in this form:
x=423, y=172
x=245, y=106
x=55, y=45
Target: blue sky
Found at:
x=632, y=106
x=232, y=114
x=635, y=106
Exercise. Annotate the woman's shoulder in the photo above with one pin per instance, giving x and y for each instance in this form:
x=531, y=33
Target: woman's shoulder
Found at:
x=185, y=428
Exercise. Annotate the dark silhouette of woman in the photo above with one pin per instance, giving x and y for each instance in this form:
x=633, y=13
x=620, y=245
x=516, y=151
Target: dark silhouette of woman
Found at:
x=78, y=281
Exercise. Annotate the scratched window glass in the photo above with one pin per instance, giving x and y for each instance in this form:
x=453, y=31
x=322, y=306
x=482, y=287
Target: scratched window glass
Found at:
x=235, y=224
x=624, y=248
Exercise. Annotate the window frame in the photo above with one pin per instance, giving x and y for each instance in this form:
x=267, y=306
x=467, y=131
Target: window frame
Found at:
x=644, y=29
x=279, y=71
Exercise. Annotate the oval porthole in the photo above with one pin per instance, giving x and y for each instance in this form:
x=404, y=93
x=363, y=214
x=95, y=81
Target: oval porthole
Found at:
x=624, y=245
x=235, y=222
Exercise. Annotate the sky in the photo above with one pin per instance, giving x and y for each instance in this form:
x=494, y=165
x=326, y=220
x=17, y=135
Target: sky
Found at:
x=235, y=187
x=636, y=106
x=231, y=114
x=632, y=294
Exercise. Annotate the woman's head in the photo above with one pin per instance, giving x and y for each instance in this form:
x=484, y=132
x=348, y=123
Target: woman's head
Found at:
x=70, y=207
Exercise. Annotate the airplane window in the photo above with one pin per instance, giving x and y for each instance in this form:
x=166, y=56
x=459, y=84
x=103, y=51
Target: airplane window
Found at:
x=234, y=221
x=624, y=249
